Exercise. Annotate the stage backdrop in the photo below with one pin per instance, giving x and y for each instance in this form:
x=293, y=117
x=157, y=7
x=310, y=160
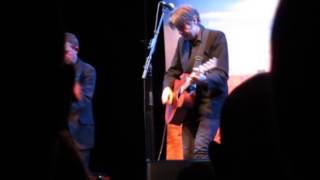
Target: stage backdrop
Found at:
x=247, y=25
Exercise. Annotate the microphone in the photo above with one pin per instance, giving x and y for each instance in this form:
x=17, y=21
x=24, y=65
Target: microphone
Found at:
x=170, y=6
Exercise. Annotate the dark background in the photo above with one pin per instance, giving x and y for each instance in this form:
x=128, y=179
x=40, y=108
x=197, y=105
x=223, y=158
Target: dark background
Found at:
x=113, y=38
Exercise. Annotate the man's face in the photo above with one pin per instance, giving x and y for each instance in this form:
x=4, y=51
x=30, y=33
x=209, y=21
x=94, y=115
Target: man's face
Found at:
x=188, y=31
x=70, y=54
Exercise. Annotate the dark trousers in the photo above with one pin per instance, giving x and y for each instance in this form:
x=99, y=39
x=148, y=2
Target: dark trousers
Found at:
x=83, y=138
x=196, y=137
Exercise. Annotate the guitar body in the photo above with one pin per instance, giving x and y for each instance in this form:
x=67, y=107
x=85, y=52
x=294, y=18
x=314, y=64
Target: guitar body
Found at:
x=182, y=102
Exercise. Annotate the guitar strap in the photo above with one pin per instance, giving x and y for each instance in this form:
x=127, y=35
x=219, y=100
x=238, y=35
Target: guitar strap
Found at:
x=199, y=51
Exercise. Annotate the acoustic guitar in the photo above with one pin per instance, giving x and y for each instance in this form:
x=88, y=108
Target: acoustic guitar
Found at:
x=184, y=94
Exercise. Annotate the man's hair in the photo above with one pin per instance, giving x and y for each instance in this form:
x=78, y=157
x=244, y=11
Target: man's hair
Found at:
x=72, y=39
x=183, y=15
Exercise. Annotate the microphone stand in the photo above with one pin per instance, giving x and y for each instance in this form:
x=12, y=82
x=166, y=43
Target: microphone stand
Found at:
x=148, y=97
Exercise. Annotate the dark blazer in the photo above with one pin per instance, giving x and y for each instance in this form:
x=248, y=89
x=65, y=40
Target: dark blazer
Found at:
x=210, y=43
x=86, y=76
x=81, y=119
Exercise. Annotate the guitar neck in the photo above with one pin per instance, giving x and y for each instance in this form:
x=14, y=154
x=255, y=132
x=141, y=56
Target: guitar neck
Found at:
x=210, y=64
x=185, y=85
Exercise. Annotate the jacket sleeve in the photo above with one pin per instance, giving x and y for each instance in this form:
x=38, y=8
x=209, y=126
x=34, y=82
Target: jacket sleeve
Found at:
x=218, y=76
